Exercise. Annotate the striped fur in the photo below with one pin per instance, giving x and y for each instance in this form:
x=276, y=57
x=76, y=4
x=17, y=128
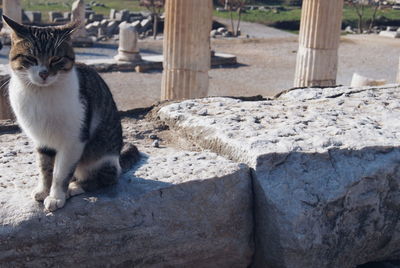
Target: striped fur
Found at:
x=67, y=110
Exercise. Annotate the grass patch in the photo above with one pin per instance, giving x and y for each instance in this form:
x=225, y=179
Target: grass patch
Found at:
x=289, y=19
x=65, y=5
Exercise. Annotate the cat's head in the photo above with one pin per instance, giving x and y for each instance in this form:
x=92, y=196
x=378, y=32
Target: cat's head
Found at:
x=41, y=55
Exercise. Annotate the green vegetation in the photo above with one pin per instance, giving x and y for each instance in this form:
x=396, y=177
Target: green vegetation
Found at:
x=264, y=17
x=289, y=18
x=65, y=5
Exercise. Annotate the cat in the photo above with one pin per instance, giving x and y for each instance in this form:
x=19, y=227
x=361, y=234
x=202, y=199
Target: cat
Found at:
x=68, y=111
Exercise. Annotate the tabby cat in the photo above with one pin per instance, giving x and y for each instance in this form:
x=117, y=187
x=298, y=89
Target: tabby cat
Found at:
x=68, y=111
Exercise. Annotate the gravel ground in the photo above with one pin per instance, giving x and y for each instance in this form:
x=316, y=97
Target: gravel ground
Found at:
x=266, y=65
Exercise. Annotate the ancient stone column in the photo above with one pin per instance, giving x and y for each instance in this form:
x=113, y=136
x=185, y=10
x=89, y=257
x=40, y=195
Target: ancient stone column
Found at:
x=128, y=38
x=79, y=37
x=12, y=9
x=398, y=74
x=186, y=49
x=317, y=57
x=5, y=108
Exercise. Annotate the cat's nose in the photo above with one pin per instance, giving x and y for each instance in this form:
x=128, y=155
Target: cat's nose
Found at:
x=44, y=74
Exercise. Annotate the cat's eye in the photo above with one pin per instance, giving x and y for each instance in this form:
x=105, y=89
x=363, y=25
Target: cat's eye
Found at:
x=29, y=60
x=56, y=60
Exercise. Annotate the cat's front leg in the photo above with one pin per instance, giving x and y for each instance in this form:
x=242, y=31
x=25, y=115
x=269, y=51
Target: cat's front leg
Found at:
x=46, y=164
x=65, y=163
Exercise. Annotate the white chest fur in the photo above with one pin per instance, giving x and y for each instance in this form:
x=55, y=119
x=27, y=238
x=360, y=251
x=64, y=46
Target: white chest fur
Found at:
x=51, y=116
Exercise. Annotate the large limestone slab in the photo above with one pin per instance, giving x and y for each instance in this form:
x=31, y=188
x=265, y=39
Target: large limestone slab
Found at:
x=173, y=209
x=326, y=167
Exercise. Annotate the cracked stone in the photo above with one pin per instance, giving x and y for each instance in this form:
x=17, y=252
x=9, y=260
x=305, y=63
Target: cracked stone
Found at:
x=326, y=179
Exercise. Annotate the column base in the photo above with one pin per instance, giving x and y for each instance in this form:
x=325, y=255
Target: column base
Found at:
x=316, y=67
x=128, y=57
x=184, y=84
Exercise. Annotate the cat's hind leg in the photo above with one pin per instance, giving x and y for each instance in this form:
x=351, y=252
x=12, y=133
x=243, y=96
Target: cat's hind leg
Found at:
x=45, y=158
x=97, y=174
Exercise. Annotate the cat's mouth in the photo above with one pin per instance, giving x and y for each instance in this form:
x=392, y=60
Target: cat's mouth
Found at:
x=43, y=82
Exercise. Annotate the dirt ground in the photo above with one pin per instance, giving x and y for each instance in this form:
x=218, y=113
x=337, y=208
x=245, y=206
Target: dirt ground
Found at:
x=266, y=67
x=266, y=57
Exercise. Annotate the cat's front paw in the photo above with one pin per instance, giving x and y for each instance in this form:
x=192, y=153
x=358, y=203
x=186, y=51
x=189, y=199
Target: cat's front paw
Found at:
x=52, y=203
x=40, y=194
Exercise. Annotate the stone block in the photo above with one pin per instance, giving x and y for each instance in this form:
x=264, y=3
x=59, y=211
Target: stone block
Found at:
x=112, y=28
x=53, y=15
x=146, y=24
x=96, y=17
x=173, y=209
x=88, y=13
x=113, y=13
x=361, y=81
x=67, y=15
x=391, y=34
x=325, y=165
x=122, y=15
x=134, y=16
x=61, y=20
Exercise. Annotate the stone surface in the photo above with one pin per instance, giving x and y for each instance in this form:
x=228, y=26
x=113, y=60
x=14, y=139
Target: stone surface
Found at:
x=325, y=166
x=173, y=209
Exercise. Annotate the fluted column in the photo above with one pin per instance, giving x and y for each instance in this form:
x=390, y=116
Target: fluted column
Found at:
x=12, y=9
x=398, y=74
x=317, y=57
x=186, y=49
x=5, y=108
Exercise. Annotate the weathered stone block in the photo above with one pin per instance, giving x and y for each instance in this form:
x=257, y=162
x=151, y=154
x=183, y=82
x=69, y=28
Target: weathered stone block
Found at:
x=122, y=15
x=174, y=209
x=53, y=15
x=32, y=16
x=325, y=166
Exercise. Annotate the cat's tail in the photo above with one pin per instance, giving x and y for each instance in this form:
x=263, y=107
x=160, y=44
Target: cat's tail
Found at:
x=129, y=156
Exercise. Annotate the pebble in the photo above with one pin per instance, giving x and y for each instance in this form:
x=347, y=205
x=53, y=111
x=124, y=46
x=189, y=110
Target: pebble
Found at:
x=156, y=144
x=202, y=112
x=10, y=154
x=153, y=136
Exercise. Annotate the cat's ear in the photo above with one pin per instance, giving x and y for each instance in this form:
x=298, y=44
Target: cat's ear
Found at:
x=18, y=29
x=70, y=28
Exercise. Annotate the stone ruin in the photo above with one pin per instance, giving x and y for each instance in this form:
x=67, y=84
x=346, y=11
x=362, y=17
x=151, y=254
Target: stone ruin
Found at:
x=310, y=178
x=302, y=185
x=98, y=26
